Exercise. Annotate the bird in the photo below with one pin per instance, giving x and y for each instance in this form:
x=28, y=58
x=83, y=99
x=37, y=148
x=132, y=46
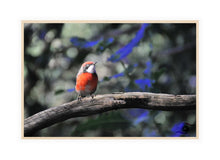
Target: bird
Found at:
x=86, y=80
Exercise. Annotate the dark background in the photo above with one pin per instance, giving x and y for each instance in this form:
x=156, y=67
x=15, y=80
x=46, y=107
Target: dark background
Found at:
x=161, y=59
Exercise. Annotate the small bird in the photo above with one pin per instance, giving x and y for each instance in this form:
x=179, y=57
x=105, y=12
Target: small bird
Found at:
x=86, y=80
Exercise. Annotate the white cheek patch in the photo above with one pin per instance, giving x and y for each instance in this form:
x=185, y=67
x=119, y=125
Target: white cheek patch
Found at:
x=91, y=69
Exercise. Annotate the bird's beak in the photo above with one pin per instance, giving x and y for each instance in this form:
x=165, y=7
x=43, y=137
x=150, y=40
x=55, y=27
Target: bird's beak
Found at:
x=95, y=63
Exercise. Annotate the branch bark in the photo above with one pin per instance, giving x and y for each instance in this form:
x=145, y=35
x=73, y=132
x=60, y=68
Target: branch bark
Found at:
x=107, y=102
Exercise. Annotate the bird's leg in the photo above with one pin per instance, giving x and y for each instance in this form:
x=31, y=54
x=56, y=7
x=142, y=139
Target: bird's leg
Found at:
x=79, y=98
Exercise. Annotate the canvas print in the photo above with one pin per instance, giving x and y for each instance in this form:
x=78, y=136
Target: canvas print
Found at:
x=109, y=79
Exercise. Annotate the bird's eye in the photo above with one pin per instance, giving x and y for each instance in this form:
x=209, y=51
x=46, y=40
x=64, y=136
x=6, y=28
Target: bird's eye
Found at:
x=87, y=66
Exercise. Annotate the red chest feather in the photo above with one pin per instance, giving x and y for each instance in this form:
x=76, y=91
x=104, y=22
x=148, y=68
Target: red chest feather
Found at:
x=86, y=82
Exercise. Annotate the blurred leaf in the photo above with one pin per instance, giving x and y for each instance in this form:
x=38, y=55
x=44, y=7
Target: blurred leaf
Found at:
x=157, y=74
x=106, y=79
x=129, y=70
x=107, y=121
x=102, y=45
x=36, y=49
x=160, y=118
x=59, y=91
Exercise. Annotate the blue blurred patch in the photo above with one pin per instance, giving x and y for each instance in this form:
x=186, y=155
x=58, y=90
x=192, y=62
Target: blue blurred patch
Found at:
x=136, y=115
x=149, y=66
x=114, y=76
x=124, y=51
x=141, y=118
x=142, y=83
x=135, y=65
x=110, y=40
x=149, y=133
x=104, y=44
x=71, y=90
x=101, y=48
x=192, y=81
x=180, y=129
x=118, y=75
x=82, y=43
x=42, y=34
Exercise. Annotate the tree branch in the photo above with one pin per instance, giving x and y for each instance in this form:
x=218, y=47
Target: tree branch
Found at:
x=107, y=102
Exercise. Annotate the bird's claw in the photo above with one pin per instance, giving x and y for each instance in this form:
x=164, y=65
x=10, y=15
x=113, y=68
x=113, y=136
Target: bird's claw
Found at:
x=92, y=100
x=79, y=99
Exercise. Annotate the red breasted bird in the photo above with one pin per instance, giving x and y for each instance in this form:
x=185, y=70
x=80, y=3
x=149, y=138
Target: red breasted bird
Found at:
x=86, y=80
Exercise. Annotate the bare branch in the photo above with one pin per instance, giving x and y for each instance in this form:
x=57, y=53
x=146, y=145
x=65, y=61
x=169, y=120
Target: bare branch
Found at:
x=107, y=102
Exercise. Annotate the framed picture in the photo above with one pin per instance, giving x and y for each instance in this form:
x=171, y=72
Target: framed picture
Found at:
x=109, y=79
